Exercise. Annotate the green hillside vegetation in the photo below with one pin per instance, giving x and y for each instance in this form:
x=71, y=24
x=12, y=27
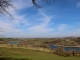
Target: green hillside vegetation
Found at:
x=24, y=54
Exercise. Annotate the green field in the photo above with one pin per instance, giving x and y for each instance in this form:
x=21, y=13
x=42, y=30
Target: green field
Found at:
x=25, y=54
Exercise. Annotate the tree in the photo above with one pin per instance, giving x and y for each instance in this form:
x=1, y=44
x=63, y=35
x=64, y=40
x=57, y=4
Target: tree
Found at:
x=5, y=4
x=35, y=3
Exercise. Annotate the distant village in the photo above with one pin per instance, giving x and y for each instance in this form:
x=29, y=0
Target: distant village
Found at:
x=66, y=41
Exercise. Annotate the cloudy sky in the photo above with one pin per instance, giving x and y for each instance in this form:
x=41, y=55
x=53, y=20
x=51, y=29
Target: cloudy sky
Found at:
x=58, y=19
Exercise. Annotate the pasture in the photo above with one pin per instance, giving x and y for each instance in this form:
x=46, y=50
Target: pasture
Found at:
x=25, y=54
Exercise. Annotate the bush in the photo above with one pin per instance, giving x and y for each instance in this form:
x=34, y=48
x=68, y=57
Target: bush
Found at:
x=60, y=51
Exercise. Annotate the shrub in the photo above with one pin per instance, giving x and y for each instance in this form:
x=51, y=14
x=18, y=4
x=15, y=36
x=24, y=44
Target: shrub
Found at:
x=60, y=51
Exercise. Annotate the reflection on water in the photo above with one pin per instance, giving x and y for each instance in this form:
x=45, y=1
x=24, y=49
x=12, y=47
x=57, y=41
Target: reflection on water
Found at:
x=66, y=48
x=13, y=42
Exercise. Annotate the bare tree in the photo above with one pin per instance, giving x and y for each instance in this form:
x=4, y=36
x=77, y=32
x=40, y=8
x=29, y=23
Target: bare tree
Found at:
x=36, y=4
x=5, y=4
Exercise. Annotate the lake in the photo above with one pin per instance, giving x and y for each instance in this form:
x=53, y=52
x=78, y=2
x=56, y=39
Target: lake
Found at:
x=13, y=42
x=66, y=48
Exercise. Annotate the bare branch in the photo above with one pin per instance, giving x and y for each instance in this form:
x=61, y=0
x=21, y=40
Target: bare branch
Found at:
x=35, y=4
x=4, y=5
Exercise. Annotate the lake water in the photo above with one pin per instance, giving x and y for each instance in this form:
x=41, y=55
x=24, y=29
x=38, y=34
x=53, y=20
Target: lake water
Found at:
x=13, y=42
x=66, y=48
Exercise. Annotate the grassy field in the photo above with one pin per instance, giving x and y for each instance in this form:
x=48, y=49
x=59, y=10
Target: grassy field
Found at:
x=24, y=54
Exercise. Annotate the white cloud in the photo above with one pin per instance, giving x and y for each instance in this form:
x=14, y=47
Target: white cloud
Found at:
x=10, y=25
x=22, y=4
x=42, y=27
x=62, y=27
x=78, y=4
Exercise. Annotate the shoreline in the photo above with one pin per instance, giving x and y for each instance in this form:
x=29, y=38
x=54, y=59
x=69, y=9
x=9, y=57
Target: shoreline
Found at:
x=66, y=46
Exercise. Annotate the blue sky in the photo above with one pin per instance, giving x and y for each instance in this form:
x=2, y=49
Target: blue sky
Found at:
x=58, y=19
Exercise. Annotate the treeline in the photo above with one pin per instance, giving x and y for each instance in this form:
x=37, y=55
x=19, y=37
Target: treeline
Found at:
x=61, y=51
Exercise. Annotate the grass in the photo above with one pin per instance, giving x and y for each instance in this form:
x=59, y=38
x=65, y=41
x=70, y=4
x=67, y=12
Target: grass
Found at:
x=24, y=54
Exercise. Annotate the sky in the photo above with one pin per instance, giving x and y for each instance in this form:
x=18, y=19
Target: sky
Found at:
x=58, y=19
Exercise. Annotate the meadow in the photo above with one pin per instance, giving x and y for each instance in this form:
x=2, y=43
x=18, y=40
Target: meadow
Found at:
x=25, y=54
